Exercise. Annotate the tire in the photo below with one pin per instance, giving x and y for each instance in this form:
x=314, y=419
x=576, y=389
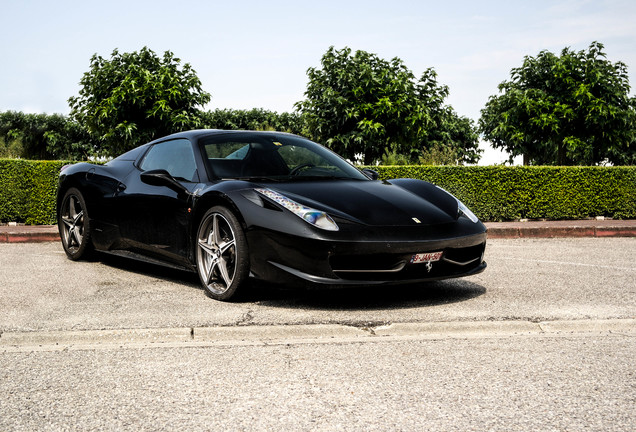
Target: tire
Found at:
x=74, y=226
x=221, y=253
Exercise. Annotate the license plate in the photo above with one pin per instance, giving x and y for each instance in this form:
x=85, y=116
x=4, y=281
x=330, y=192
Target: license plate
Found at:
x=426, y=257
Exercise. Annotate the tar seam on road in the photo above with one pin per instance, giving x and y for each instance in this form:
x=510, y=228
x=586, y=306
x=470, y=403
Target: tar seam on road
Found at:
x=303, y=334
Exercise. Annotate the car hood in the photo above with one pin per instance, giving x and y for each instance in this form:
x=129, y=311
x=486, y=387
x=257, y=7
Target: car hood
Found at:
x=378, y=203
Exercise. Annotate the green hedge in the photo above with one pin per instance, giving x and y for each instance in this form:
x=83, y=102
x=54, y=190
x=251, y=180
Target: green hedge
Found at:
x=497, y=193
x=27, y=190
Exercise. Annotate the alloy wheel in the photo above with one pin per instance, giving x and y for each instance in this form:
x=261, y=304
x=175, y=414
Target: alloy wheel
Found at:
x=72, y=217
x=217, y=253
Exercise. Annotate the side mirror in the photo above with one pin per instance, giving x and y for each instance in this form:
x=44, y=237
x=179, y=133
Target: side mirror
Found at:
x=373, y=175
x=161, y=177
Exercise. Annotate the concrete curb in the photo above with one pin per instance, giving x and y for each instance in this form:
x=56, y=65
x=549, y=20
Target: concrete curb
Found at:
x=28, y=233
x=570, y=228
x=301, y=334
x=95, y=337
x=496, y=230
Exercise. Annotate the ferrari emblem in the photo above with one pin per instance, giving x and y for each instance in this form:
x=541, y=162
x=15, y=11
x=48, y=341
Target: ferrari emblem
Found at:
x=416, y=220
x=429, y=266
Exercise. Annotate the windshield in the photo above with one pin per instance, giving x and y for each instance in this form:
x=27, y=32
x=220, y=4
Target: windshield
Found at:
x=276, y=157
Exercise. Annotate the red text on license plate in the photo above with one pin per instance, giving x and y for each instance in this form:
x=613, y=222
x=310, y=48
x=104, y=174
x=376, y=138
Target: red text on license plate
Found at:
x=426, y=257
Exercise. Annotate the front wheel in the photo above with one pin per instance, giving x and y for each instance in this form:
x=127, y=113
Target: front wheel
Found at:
x=74, y=225
x=222, y=255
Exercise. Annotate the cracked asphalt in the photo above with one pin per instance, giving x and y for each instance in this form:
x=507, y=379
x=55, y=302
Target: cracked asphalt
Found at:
x=526, y=279
x=544, y=339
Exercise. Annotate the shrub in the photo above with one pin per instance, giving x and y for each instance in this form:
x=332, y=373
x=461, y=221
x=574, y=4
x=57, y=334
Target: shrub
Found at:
x=497, y=193
x=494, y=193
x=27, y=190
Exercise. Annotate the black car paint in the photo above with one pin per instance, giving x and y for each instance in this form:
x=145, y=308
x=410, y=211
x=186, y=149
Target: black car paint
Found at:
x=387, y=219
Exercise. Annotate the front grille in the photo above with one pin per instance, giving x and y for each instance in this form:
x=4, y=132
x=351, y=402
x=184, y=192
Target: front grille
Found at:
x=397, y=267
x=379, y=263
x=464, y=256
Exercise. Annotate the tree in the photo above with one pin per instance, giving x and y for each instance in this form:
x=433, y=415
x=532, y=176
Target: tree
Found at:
x=572, y=109
x=254, y=119
x=453, y=140
x=135, y=97
x=361, y=104
x=43, y=136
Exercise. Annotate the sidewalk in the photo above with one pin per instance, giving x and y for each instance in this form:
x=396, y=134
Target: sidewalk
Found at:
x=496, y=230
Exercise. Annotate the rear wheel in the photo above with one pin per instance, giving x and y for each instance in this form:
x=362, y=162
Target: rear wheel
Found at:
x=222, y=255
x=74, y=225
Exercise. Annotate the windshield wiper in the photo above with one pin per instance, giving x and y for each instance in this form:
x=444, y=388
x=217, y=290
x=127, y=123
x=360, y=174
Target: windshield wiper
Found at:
x=305, y=178
x=255, y=178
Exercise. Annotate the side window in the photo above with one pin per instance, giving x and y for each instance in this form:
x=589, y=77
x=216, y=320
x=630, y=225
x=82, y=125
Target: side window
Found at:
x=174, y=156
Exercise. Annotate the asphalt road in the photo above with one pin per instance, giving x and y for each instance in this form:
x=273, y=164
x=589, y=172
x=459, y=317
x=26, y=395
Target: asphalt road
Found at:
x=543, y=340
x=532, y=280
x=573, y=383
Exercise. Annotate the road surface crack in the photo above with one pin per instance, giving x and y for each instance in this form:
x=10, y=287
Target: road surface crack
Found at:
x=246, y=319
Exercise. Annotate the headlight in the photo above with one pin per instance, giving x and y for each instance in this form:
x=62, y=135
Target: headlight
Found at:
x=469, y=214
x=310, y=215
x=462, y=208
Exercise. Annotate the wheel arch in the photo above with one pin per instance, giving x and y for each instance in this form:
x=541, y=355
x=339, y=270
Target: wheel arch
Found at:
x=73, y=176
x=64, y=184
x=209, y=200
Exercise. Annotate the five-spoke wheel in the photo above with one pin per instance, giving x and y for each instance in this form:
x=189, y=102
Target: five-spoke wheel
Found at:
x=73, y=224
x=221, y=252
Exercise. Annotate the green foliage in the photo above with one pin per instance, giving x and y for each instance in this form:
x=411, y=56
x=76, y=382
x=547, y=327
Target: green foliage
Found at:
x=439, y=155
x=497, y=193
x=361, y=104
x=254, y=119
x=454, y=140
x=42, y=136
x=572, y=109
x=27, y=190
x=435, y=155
x=11, y=148
x=135, y=97
x=494, y=193
x=393, y=158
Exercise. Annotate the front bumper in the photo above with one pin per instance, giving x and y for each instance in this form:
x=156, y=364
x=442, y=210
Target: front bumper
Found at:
x=362, y=260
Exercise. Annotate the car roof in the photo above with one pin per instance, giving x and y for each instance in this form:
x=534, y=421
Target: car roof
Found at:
x=198, y=133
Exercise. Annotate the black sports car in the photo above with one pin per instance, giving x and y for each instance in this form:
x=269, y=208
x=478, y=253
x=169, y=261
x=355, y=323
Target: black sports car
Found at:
x=268, y=205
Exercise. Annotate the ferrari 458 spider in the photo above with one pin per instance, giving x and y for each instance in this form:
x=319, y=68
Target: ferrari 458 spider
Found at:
x=268, y=205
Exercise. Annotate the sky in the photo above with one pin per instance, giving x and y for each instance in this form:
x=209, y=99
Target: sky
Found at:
x=255, y=54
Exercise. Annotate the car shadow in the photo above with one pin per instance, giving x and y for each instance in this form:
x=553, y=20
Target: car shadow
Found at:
x=130, y=263
x=348, y=298
x=364, y=298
